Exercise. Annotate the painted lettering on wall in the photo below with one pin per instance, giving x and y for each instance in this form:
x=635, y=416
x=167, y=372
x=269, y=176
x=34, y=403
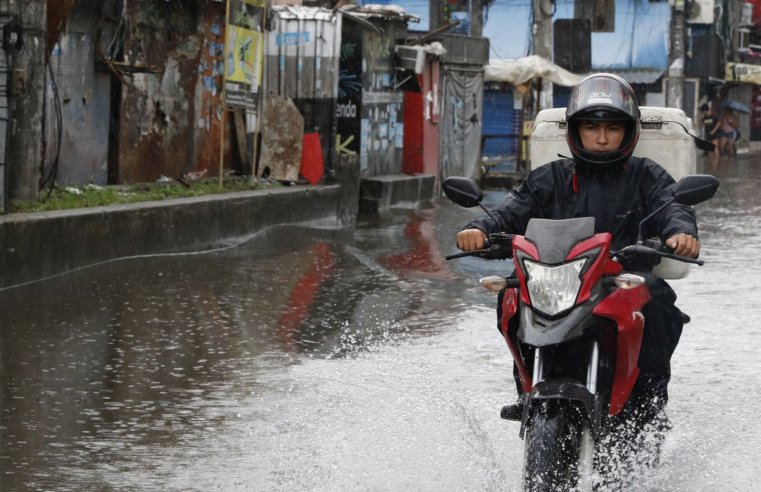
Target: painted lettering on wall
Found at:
x=348, y=110
x=342, y=146
x=292, y=38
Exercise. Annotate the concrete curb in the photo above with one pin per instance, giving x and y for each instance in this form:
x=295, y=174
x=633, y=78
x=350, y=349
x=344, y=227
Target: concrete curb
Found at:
x=38, y=245
x=380, y=193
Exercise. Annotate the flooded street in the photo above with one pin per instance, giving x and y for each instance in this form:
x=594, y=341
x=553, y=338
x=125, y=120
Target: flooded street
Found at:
x=308, y=359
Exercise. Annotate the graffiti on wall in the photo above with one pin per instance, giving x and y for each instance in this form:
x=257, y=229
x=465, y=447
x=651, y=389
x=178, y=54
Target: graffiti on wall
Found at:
x=349, y=102
x=369, y=110
x=210, y=69
x=382, y=131
x=377, y=53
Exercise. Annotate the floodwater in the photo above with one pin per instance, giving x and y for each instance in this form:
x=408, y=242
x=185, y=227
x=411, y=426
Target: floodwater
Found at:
x=308, y=359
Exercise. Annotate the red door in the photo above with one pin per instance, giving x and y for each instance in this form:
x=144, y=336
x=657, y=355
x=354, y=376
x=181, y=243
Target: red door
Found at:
x=413, y=132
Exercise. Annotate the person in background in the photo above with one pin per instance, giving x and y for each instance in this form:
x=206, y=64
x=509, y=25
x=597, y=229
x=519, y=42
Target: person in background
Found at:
x=725, y=130
x=708, y=121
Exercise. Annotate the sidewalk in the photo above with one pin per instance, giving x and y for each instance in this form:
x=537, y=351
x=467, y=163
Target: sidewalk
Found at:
x=37, y=245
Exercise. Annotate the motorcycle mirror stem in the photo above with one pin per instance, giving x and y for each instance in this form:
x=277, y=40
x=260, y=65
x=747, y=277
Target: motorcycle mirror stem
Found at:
x=640, y=239
x=690, y=190
x=466, y=193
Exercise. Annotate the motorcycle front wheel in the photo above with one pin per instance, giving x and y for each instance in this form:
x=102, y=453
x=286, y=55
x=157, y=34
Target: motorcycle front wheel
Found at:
x=551, y=459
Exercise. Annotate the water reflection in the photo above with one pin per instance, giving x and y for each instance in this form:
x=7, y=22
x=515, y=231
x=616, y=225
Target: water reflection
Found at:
x=311, y=359
x=145, y=353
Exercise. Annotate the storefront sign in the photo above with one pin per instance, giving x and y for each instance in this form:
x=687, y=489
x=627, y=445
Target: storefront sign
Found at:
x=743, y=72
x=243, y=54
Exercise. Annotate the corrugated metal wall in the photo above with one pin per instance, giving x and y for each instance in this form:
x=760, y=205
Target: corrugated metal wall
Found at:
x=170, y=121
x=498, y=120
x=301, y=62
x=85, y=105
x=302, y=53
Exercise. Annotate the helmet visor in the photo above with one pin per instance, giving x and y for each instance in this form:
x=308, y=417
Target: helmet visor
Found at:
x=601, y=93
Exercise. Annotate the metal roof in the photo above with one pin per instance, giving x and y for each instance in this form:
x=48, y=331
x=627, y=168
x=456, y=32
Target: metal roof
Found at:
x=391, y=12
x=645, y=77
x=303, y=13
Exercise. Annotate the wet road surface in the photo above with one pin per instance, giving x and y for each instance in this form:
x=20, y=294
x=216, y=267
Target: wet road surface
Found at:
x=308, y=359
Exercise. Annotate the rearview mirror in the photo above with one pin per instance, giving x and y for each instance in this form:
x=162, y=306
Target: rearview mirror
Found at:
x=463, y=191
x=695, y=188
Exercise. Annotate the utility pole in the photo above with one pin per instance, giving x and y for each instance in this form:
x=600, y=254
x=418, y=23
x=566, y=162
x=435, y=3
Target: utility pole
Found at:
x=434, y=15
x=476, y=18
x=675, y=93
x=28, y=94
x=542, y=41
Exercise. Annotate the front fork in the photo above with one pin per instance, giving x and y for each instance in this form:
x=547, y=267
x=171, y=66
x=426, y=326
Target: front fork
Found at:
x=586, y=439
x=576, y=392
x=592, y=369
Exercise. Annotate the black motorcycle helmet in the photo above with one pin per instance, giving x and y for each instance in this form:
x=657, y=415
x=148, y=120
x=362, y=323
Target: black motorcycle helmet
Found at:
x=602, y=97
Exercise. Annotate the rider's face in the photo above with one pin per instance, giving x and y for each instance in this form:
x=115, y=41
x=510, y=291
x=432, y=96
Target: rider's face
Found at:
x=601, y=136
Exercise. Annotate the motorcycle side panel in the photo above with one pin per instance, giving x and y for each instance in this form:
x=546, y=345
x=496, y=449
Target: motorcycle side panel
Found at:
x=521, y=249
x=624, y=307
x=509, y=308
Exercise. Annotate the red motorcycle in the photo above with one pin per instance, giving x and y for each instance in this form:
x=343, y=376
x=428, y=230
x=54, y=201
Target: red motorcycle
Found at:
x=579, y=331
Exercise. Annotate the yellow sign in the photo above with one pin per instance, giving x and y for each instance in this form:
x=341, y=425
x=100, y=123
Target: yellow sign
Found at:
x=743, y=72
x=244, y=46
x=241, y=49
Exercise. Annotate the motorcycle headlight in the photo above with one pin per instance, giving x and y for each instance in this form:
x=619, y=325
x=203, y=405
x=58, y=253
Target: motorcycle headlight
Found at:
x=553, y=289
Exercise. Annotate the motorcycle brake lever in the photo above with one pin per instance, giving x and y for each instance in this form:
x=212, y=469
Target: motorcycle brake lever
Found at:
x=639, y=250
x=462, y=254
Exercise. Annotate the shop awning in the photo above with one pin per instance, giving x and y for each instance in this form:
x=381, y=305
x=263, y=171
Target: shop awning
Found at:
x=521, y=70
x=645, y=77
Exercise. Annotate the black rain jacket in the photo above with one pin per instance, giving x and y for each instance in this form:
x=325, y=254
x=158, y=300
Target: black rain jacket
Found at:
x=618, y=203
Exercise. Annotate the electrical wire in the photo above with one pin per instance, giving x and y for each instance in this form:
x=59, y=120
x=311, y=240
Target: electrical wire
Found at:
x=53, y=174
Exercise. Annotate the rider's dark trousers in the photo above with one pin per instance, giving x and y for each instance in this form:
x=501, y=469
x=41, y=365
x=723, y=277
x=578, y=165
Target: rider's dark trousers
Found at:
x=663, y=327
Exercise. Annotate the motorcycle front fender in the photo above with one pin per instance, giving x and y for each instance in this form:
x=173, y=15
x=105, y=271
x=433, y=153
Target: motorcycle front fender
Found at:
x=569, y=390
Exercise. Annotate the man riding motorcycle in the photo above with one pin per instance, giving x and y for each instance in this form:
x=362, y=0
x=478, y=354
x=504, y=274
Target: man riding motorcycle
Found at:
x=603, y=180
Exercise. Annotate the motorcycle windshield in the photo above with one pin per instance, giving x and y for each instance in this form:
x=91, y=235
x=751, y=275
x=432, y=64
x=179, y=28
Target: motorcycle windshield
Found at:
x=555, y=239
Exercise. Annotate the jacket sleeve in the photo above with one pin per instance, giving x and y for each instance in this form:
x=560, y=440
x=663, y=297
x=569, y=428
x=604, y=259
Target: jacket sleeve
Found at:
x=675, y=218
x=520, y=205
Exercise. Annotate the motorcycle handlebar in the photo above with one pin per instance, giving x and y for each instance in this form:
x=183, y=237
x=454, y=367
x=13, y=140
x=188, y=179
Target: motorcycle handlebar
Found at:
x=655, y=252
x=496, y=247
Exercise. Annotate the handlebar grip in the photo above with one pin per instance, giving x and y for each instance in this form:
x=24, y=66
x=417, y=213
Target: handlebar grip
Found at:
x=454, y=256
x=657, y=245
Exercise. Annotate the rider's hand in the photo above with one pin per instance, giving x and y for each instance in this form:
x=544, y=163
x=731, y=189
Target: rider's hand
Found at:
x=470, y=239
x=684, y=245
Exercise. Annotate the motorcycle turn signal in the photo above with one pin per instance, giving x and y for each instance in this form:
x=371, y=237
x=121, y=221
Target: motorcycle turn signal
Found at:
x=626, y=281
x=494, y=282
x=497, y=283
